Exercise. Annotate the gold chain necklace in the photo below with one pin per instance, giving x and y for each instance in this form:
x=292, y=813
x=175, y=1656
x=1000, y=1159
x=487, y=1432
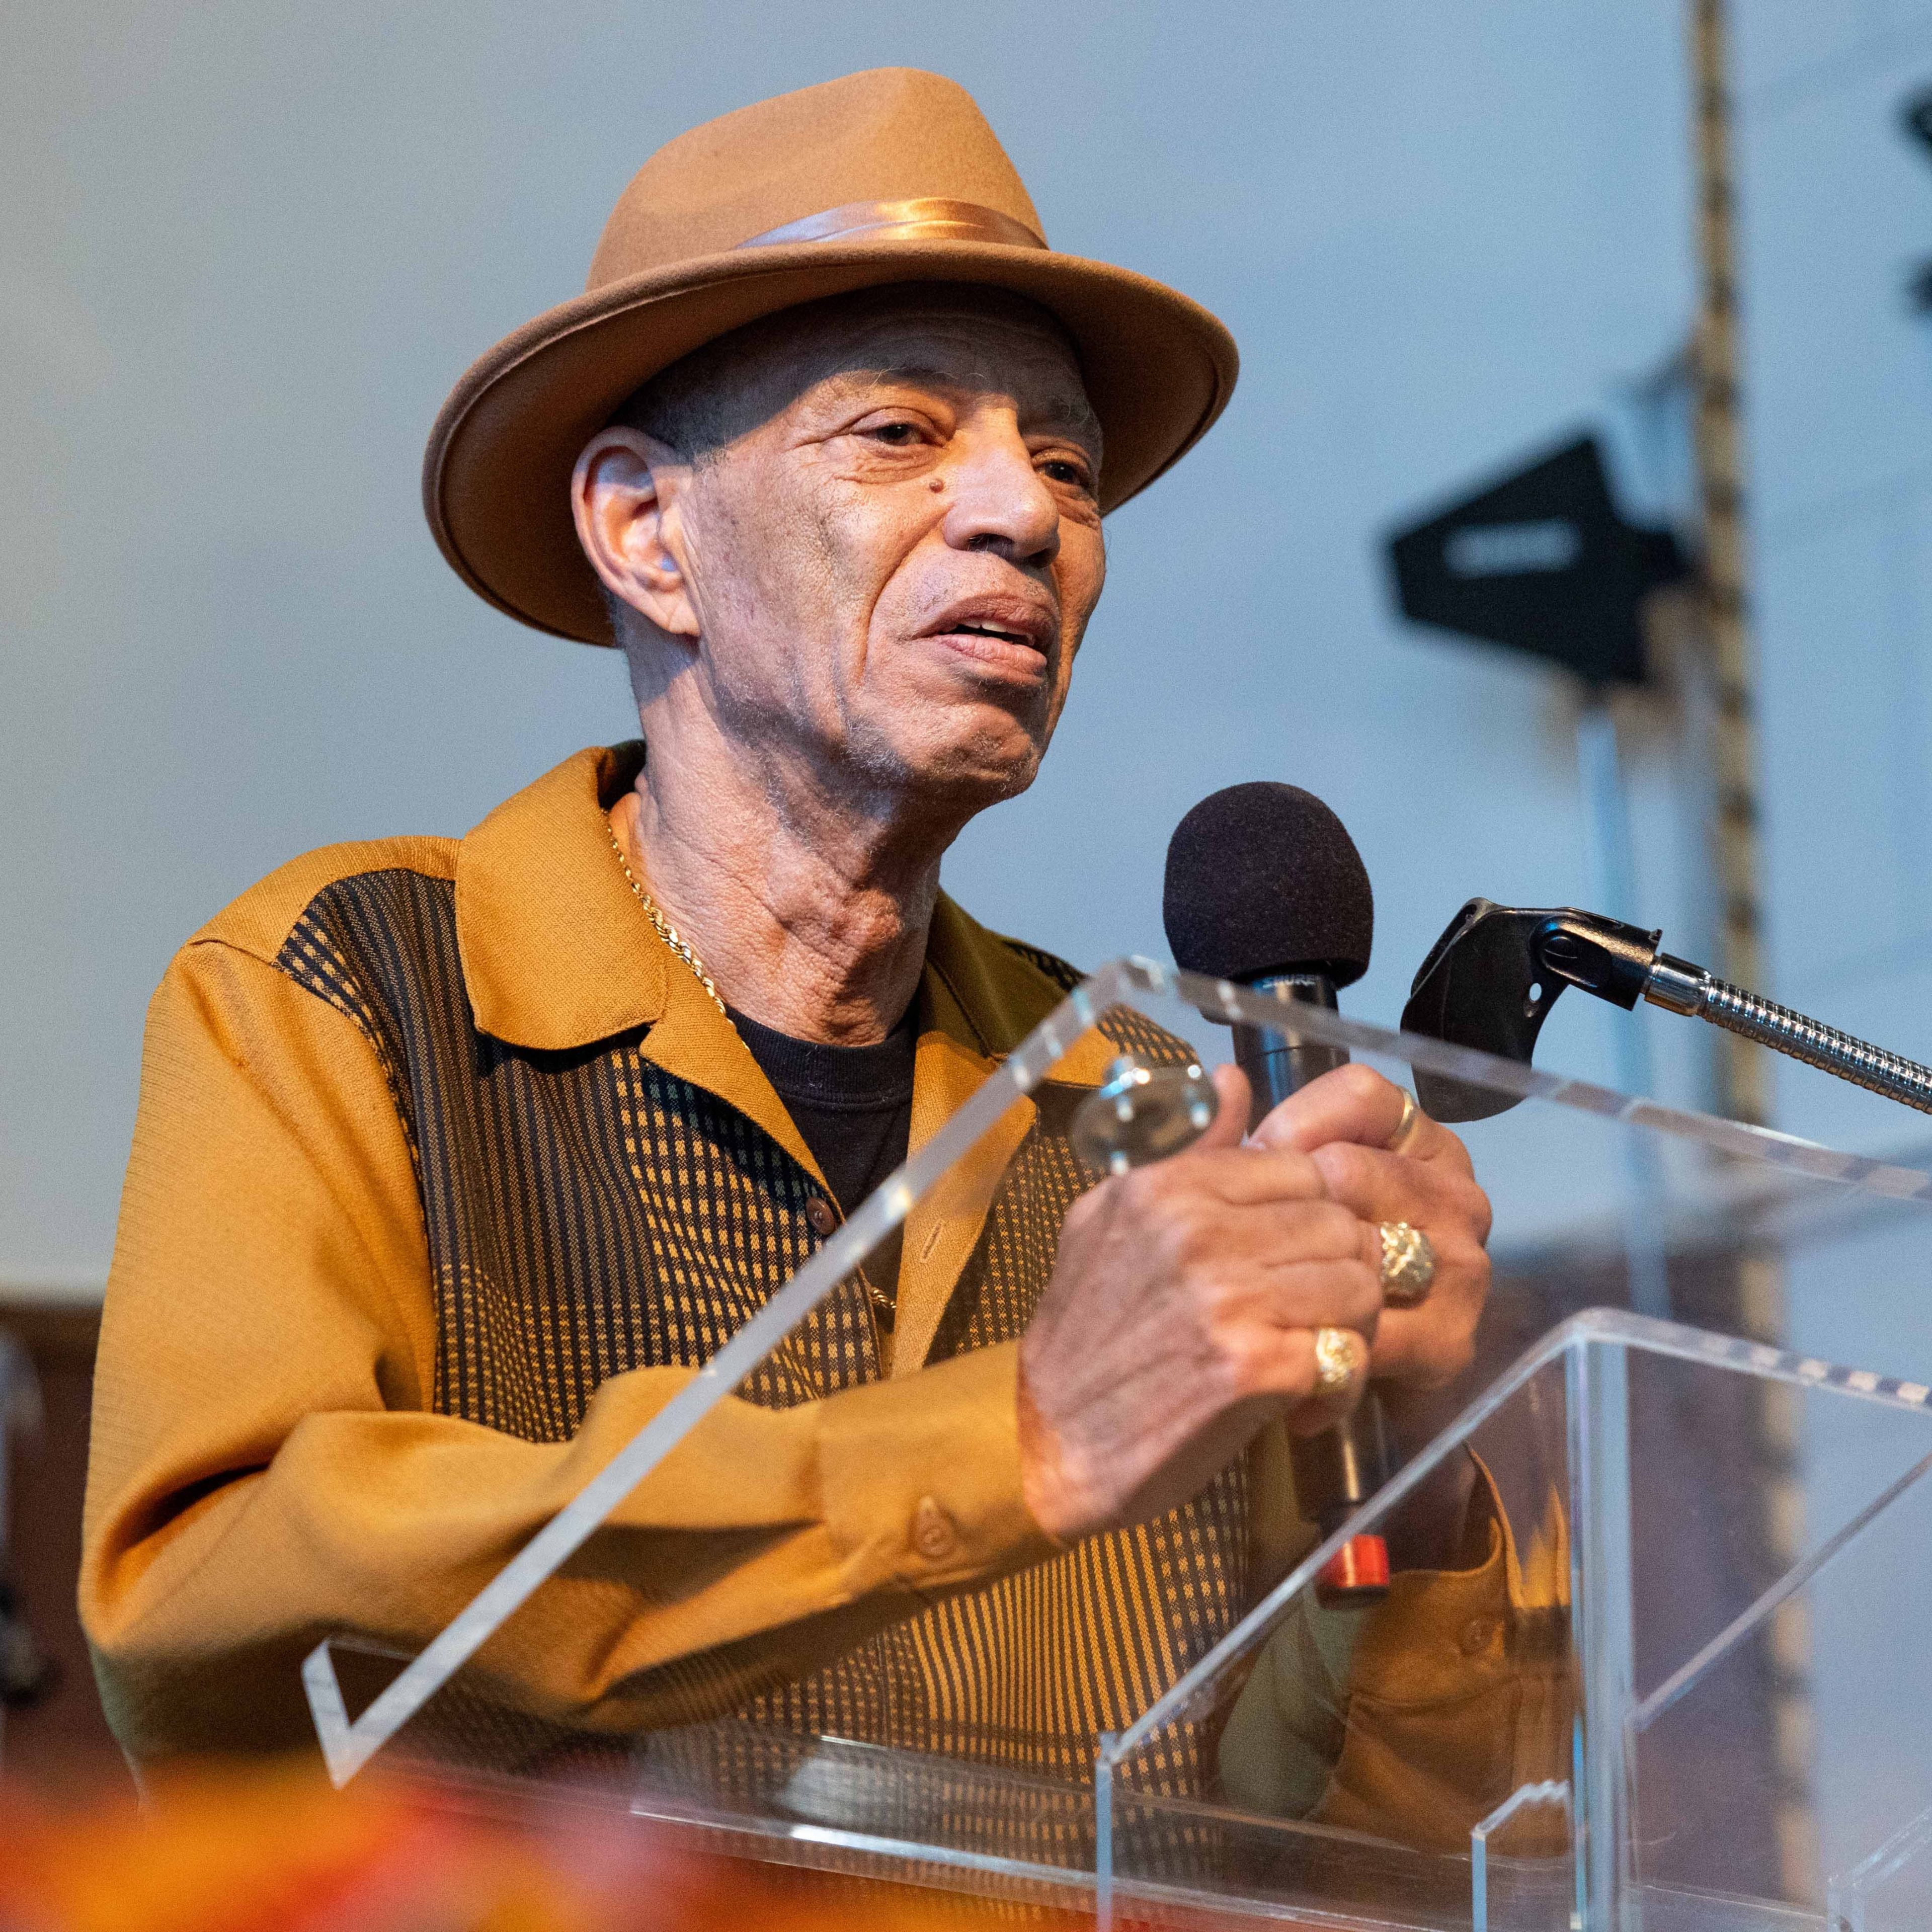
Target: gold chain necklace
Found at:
x=664, y=930
x=883, y=1303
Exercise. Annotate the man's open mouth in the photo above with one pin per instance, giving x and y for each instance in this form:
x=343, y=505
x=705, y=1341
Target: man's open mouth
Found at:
x=978, y=630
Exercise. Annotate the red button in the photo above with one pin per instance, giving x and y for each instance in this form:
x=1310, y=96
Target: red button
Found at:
x=820, y=1212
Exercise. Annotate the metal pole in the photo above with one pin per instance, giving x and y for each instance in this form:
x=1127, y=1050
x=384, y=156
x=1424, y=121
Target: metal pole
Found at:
x=1743, y=1068
x=1612, y=887
x=1744, y=1078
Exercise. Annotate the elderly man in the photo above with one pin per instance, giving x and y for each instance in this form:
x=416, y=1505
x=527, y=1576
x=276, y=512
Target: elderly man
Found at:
x=454, y=1159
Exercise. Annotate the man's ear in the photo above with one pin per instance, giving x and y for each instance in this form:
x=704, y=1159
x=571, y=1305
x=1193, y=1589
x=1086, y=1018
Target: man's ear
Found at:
x=625, y=495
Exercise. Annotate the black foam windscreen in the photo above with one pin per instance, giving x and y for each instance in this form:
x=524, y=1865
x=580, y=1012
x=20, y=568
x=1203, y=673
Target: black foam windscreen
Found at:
x=1262, y=879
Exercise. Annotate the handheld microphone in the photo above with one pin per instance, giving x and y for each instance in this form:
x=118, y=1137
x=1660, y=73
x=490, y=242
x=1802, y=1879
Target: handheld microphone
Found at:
x=1264, y=887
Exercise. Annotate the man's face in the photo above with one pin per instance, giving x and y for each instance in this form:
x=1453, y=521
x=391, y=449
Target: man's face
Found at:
x=891, y=569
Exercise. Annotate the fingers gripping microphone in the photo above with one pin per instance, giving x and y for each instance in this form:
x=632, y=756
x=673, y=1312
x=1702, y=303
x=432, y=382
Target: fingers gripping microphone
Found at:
x=1265, y=888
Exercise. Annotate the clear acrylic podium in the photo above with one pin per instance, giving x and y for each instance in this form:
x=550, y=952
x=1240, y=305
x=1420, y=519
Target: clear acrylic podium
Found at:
x=1677, y=1679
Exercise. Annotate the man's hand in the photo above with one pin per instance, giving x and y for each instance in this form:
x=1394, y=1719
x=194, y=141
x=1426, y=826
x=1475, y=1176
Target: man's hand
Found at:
x=1343, y=1122
x=1181, y=1316
x=1182, y=1311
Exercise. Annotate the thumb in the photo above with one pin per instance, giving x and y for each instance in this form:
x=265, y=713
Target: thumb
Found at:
x=1229, y=1127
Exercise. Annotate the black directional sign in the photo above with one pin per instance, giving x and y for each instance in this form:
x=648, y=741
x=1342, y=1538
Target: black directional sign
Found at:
x=1541, y=562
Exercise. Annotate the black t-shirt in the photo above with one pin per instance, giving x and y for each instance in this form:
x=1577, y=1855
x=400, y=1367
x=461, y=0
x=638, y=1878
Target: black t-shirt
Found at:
x=853, y=1106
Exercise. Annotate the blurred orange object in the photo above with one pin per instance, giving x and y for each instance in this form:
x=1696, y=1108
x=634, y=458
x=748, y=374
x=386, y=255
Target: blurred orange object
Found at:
x=263, y=1849
x=277, y=1851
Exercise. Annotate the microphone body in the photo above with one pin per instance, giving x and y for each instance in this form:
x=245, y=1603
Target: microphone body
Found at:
x=1264, y=887
x=1338, y=1471
x=1276, y=1060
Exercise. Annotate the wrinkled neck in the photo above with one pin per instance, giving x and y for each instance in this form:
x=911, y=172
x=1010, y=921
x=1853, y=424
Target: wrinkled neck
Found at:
x=810, y=910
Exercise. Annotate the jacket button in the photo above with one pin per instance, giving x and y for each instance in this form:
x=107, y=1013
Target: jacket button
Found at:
x=1478, y=1634
x=819, y=1212
x=933, y=1533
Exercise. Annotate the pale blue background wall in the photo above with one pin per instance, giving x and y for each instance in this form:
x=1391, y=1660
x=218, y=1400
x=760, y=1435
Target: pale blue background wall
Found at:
x=245, y=248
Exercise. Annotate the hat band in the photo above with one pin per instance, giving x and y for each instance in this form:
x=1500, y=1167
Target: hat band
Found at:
x=930, y=219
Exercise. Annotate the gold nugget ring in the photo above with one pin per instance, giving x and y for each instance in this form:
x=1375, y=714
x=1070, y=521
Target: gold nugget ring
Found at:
x=1408, y=1264
x=1340, y=1356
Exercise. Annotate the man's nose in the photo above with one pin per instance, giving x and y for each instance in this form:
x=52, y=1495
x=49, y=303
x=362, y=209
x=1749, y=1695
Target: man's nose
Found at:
x=999, y=501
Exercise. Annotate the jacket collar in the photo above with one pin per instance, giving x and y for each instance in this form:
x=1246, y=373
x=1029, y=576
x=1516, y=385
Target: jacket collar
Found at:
x=558, y=954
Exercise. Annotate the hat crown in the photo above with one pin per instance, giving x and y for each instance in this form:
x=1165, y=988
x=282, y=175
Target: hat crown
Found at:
x=889, y=134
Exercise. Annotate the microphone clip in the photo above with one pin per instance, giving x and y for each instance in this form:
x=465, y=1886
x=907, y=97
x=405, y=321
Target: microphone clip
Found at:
x=1491, y=979
x=1489, y=982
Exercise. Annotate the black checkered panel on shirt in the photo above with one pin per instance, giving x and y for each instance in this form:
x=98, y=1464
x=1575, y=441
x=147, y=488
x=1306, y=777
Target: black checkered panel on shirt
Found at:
x=588, y=1214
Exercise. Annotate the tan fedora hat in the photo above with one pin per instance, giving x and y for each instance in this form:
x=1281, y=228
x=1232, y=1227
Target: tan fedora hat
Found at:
x=891, y=175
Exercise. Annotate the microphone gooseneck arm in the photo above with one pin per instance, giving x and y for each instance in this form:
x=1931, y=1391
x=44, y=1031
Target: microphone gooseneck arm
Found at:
x=1619, y=963
x=1685, y=988
x=1491, y=979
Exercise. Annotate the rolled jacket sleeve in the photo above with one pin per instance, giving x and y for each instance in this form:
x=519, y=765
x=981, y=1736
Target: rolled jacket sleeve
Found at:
x=1411, y=1720
x=266, y=1469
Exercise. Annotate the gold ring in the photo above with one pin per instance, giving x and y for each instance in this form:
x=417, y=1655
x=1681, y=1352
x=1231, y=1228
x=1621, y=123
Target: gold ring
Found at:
x=1404, y=1128
x=1340, y=1356
x=1408, y=1264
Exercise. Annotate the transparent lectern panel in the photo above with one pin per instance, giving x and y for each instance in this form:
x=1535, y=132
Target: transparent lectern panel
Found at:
x=1405, y=1762
x=785, y=1589
x=1690, y=1696
x=1793, y=1735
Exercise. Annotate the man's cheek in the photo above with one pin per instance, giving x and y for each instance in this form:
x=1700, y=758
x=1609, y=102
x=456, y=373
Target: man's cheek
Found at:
x=1079, y=586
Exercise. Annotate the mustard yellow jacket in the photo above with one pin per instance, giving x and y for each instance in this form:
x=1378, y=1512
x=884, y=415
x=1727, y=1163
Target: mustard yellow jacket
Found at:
x=447, y=1175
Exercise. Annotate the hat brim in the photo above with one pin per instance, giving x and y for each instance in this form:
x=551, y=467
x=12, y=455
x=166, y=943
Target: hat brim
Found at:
x=1159, y=369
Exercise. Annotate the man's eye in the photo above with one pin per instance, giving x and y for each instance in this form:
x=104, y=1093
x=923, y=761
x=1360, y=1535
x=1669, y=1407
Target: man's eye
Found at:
x=1061, y=471
x=895, y=435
